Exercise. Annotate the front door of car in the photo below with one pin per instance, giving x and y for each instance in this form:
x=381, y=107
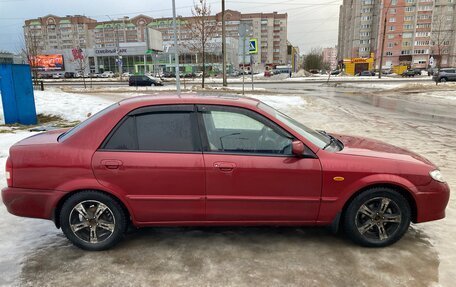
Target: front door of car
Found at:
x=251, y=174
x=153, y=158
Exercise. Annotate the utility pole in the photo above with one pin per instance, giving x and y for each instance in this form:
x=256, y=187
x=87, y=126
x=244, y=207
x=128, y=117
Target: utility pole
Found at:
x=176, y=53
x=117, y=46
x=383, y=41
x=224, y=44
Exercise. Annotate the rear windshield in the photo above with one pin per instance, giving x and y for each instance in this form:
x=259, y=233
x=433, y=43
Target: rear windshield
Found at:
x=83, y=124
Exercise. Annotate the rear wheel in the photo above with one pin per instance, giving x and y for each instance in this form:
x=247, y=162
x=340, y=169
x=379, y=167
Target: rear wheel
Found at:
x=377, y=217
x=443, y=80
x=93, y=220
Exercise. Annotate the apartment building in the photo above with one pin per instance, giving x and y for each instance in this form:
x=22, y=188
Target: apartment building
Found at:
x=419, y=33
x=330, y=56
x=269, y=28
x=141, y=43
x=358, y=28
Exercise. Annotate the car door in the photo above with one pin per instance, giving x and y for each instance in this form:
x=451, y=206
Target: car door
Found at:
x=153, y=158
x=251, y=174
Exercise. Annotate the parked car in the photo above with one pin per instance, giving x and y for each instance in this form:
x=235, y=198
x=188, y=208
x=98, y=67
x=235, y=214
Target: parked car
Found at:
x=94, y=75
x=168, y=74
x=367, y=74
x=127, y=74
x=44, y=76
x=199, y=160
x=57, y=76
x=335, y=72
x=69, y=75
x=142, y=80
x=107, y=74
x=411, y=73
x=445, y=74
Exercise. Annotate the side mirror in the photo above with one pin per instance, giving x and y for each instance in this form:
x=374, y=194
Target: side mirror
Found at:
x=297, y=148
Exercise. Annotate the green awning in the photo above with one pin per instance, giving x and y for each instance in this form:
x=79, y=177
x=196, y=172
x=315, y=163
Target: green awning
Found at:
x=65, y=22
x=35, y=23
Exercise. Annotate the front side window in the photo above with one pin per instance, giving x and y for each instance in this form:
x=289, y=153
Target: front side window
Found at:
x=159, y=132
x=240, y=131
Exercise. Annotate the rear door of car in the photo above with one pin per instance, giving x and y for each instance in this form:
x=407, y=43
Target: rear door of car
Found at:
x=251, y=174
x=153, y=158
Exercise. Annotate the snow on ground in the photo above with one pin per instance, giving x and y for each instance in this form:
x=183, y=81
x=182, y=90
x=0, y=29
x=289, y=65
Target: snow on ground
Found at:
x=72, y=107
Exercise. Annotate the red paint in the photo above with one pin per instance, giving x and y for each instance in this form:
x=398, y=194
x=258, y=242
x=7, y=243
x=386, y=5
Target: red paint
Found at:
x=208, y=188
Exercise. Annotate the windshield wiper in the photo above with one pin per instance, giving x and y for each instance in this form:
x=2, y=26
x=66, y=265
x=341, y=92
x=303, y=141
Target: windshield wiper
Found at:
x=331, y=140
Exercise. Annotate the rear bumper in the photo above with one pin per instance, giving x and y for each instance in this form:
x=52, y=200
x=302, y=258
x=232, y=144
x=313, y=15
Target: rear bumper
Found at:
x=431, y=201
x=31, y=202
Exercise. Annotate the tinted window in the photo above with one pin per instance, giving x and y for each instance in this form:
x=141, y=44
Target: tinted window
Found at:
x=164, y=131
x=124, y=137
x=235, y=131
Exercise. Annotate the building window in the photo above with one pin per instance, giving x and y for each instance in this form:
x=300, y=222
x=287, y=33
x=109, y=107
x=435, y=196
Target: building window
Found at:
x=407, y=35
x=410, y=9
x=392, y=19
x=390, y=36
x=392, y=28
x=389, y=53
x=408, y=26
x=409, y=18
x=390, y=45
x=392, y=11
x=425, y=8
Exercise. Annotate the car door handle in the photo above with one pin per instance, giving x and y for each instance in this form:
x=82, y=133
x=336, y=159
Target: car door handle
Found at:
x=225, y=166
x=111, y=163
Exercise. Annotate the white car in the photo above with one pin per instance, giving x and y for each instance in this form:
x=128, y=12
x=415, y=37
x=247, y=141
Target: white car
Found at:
x=127, y=75
x=107, y=74
x=57, y=76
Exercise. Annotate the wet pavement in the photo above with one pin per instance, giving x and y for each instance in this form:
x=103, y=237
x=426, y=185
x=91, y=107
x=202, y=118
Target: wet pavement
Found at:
x=34, y=253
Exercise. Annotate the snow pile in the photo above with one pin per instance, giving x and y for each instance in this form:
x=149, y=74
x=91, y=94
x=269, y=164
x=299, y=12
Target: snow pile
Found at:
x=71, y=107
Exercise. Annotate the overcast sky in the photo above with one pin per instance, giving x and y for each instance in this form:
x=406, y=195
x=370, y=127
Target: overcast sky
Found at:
x=311, y=23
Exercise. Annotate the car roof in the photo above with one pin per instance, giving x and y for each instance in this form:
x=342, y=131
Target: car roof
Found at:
x=172, y=99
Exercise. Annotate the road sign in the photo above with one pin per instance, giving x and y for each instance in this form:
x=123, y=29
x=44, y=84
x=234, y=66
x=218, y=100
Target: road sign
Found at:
x=253, y=46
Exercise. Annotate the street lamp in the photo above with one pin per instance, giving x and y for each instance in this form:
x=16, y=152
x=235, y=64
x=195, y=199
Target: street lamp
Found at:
x=119, y=58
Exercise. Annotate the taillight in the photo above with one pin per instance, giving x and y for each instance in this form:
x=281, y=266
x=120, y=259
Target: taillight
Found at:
x=9, y=172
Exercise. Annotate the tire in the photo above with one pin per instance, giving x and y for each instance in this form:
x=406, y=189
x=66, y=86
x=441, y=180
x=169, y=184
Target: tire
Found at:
x=443, y=80
x=368, y=224
x=92, y=220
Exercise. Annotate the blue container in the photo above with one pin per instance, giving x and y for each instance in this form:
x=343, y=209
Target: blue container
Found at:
x=17, y=94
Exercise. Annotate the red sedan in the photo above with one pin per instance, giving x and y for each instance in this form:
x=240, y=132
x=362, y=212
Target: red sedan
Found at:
x=201, y=160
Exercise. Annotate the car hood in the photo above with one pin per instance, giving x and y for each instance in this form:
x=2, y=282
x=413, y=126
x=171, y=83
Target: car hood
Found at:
x=360, y=146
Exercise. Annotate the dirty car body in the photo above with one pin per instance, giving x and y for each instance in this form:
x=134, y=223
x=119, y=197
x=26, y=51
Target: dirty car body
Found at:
x=203, y=160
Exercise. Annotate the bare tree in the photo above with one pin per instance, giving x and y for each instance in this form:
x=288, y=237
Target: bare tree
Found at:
x=440, y=38
x=201, y=31
x=30, y=48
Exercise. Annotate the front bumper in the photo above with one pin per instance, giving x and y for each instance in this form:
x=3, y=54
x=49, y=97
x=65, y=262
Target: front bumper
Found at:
x=431, y=201
x=31, y=202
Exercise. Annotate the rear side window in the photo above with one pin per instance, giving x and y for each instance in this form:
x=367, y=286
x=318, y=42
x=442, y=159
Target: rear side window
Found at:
x=163, y=131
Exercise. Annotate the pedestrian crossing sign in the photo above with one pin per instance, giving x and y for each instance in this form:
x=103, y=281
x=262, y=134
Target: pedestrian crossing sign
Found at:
x=253, y=46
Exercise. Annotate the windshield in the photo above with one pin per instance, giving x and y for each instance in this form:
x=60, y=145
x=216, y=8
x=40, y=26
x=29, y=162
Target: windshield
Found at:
x=81, y=125
x=318, y=139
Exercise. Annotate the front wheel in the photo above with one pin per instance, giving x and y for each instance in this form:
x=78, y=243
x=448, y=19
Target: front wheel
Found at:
x=93, y=220
x=443, y=80
x=377, y=217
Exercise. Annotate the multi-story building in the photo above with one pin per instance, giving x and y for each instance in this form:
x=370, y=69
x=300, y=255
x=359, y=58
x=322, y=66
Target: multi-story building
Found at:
x=269, y=28
x=358, y=28
x=419, y=33
x=330, y=56
x=131, y=44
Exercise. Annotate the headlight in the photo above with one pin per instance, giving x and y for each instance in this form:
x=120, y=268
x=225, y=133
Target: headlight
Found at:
x=436, y=175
